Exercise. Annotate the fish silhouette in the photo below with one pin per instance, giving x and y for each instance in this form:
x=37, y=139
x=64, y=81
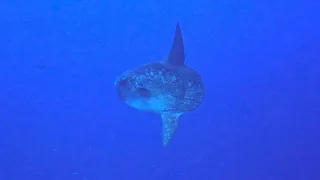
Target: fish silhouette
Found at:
x=167, y=87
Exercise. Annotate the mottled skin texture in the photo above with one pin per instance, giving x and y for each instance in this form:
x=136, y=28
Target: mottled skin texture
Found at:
x=174, y=89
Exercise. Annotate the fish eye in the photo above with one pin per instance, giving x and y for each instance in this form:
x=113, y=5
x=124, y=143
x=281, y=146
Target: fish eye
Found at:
x=144, y=92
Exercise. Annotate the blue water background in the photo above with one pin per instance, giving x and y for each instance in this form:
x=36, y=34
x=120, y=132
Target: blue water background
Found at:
x=60, y=118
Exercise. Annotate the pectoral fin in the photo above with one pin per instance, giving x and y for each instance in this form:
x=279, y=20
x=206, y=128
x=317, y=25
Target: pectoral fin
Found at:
x=169, y=125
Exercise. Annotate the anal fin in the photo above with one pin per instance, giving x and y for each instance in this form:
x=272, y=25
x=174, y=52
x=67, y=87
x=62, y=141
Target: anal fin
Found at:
x=169, y=126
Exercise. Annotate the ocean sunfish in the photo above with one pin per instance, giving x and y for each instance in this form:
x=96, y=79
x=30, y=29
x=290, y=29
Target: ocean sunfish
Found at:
x=167, y=87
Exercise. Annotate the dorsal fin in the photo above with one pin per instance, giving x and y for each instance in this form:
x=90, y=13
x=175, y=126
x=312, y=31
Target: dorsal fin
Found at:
x=176, y=55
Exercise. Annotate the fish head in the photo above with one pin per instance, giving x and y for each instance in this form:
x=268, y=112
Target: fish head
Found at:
x=152, y=87
x=131, y=89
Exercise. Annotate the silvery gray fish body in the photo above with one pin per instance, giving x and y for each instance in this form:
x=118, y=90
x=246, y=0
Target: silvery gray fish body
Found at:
x=168, y=88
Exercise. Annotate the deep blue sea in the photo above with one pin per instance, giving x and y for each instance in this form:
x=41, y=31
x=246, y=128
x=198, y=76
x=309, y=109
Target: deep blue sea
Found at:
x=61, y=118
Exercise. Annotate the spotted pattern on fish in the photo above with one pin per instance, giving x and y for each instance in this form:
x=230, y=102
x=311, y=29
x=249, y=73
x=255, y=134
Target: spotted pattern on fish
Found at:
x=179, y=90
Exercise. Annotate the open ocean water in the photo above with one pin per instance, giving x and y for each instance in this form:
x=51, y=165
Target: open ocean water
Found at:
x=61, y=118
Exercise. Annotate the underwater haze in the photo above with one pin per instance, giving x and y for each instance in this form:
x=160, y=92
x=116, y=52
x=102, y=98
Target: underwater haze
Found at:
x=61, y=117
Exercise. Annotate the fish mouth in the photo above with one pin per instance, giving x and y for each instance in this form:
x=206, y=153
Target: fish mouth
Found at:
x=121, y=95
x=121, y=85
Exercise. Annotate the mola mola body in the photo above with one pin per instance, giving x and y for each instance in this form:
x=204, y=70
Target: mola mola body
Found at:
x=168, y=88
